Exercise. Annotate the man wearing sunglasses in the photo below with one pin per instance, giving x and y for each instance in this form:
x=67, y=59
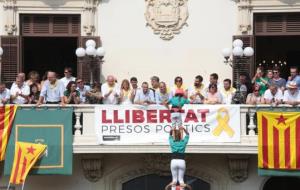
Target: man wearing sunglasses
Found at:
x=83, y=90
x=68, y=76
x=277, y=80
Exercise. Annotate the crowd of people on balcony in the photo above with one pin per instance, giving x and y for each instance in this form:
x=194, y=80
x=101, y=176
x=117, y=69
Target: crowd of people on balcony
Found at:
x=262, y=89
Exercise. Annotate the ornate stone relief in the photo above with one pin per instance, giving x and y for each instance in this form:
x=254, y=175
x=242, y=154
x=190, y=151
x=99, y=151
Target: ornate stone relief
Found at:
x=92, y=167
x=10, y=8
x=158, y=164
x=90, y=8
x=245, y=8
x=166, y=17
x=238, y=167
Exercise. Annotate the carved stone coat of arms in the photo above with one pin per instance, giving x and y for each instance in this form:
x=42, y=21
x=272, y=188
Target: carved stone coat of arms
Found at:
x=166, y=17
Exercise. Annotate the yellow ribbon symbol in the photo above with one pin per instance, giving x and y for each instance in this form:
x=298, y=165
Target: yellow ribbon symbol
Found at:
x=223, y=123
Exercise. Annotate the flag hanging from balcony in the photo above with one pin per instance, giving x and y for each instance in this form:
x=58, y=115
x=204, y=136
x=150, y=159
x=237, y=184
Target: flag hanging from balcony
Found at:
x=278, y=143
x=7, y=114
x=26, y=155
x=49, y=126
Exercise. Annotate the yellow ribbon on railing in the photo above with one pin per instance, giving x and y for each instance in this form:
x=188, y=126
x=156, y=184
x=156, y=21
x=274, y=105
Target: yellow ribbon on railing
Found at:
x=223, y=123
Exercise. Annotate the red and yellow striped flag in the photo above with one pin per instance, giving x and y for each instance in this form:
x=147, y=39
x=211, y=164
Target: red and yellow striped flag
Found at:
x=26, y=154
x=7, y=114
x=279, y=140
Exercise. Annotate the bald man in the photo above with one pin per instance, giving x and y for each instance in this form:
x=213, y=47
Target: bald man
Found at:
x=110, y=91
x=52, y=90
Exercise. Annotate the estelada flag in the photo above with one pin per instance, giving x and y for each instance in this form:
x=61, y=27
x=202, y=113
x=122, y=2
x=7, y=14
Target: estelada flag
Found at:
x=279, y=140
x=26, y=154
x=7, y=114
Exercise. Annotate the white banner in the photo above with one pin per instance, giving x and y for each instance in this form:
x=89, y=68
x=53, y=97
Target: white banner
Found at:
x=135, y=124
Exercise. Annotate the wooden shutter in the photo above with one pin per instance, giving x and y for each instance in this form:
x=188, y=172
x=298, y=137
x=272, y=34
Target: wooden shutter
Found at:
x=50, y=25
x=277, y=24
x=83, y=70
x=243, y=64
x=10, y=58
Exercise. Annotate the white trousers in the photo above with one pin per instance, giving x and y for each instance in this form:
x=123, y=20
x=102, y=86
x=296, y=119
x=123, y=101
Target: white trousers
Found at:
x=178, y=170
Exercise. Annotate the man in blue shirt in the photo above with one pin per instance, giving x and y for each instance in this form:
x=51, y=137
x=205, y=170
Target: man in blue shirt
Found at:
x=294, y=77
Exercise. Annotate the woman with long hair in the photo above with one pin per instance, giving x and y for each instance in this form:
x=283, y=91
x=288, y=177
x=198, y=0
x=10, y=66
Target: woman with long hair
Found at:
x=178, y=145
x=126, y=94
x=71, y=95
x=34, y=94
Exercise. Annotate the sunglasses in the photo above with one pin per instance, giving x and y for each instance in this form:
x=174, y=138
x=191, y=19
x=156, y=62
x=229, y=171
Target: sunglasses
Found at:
x=178, y=80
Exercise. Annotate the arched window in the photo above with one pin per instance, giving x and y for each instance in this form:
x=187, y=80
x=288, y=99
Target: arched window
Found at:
x=282, y=183
x=153, y=181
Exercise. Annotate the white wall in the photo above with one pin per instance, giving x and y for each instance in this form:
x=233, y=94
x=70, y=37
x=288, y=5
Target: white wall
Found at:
x=133, y=50
x=2, y=21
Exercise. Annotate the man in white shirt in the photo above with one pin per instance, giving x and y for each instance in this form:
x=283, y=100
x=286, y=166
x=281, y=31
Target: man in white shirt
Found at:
x=19, y=92
x=21, y=76
x=110, y=91
x=227, y=92
x=273, y=95
x=68, y=76
x=52, y=90
x=82, y=89
x=292, y=94
x=4, y=94
x=145, y=96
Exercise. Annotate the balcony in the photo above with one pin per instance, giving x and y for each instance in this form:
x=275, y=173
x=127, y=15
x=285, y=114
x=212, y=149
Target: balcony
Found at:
x=85, y=139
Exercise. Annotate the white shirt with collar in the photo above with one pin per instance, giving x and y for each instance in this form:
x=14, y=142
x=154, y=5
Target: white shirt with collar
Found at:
x=53, y=93
x=227, y=95
x=269, y=96
x=113, y=98
x=5, y=95
x=25, y=90
x=291, y=97
x=141, y=96
x=66, y=80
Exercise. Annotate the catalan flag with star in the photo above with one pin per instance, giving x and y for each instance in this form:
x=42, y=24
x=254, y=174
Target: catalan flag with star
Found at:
x=26, y=155
x=278, y=140
x=7, y=114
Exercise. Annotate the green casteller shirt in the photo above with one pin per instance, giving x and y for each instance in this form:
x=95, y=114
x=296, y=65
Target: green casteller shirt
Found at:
x=178, y=146
x=263, y=86
x=178, y=101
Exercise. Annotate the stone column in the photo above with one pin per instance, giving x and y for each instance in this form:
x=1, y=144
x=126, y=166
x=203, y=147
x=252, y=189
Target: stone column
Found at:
x=244, y=15
x=10, y=9
x=89, y=15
